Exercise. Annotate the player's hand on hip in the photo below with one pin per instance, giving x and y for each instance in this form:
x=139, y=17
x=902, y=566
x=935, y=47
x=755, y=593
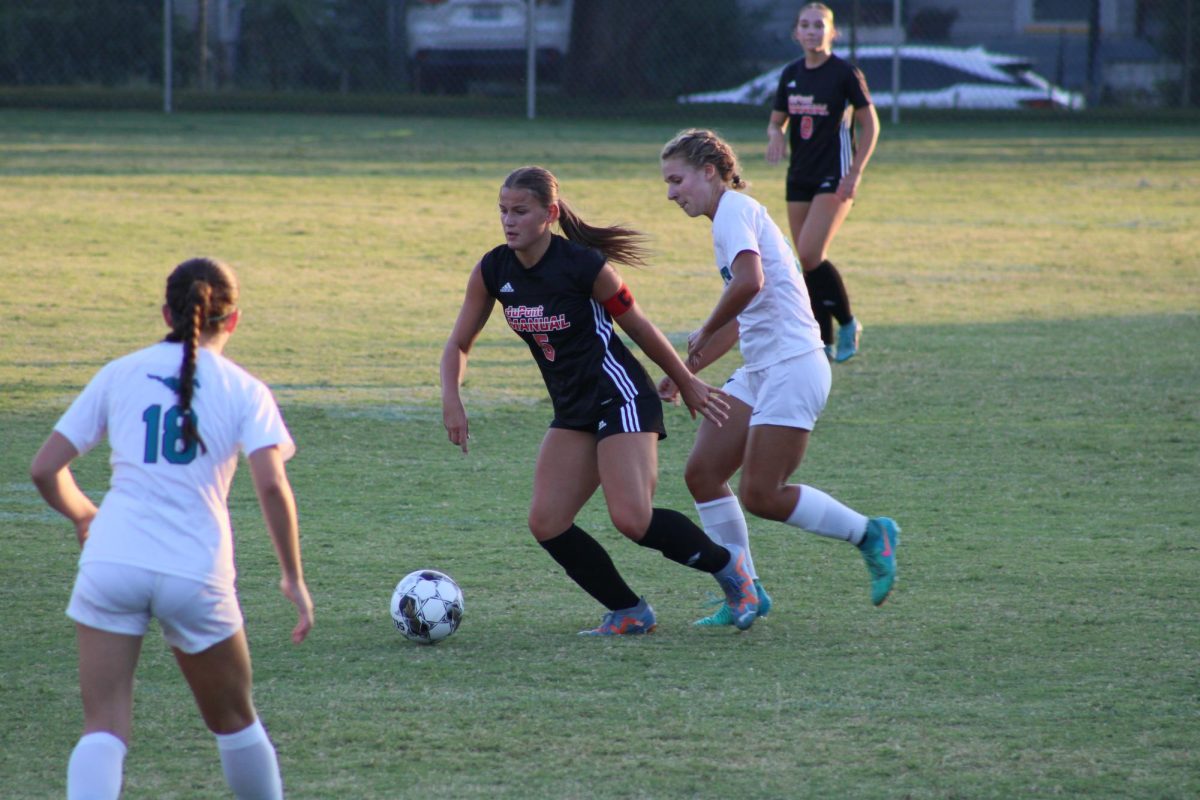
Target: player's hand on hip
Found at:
x=83, y=527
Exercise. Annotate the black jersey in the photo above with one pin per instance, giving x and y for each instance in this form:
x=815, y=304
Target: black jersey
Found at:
x=586, y=366
x=820, y=106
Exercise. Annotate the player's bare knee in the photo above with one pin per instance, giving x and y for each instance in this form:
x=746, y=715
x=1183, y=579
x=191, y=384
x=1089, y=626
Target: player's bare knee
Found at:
x=232, y=719
x=631, y=522
x=702, y=481
x=761, y=501
x=543, y=527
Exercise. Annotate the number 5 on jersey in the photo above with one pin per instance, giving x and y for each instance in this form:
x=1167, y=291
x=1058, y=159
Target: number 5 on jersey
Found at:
x=543, y=341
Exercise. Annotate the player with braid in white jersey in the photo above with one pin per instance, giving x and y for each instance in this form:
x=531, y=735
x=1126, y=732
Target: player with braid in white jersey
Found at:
x=176, y=415
x=781, y=388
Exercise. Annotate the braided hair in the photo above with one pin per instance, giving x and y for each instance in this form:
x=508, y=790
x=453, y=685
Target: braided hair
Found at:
x=698, y=146
x=201, y=294
x=620, y=244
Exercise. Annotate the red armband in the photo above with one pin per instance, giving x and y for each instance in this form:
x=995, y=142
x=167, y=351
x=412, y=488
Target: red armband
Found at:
x=620, y=302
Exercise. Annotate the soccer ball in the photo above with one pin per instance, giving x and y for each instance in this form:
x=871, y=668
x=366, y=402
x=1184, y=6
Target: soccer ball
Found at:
x=427, y=606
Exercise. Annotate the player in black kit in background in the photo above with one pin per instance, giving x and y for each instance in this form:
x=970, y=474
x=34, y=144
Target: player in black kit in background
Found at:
x=819, y=101
x=561, y=295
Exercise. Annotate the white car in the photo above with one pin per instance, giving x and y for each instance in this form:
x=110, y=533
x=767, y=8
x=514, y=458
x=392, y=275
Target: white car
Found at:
x=452, y=42
x=930, y=77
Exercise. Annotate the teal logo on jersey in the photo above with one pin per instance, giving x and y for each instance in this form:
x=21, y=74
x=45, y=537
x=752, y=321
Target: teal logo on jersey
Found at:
x=172, y=382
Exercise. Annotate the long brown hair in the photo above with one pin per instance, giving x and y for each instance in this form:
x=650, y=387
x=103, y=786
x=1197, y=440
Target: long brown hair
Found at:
x=620, y=244
x=201, y=293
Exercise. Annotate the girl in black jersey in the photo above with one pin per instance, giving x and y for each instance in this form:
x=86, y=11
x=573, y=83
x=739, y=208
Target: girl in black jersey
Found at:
x=561, y=295
x=819, y=101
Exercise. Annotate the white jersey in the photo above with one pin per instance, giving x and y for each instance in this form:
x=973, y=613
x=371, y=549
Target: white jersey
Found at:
x=165, y=509
x=778, y=323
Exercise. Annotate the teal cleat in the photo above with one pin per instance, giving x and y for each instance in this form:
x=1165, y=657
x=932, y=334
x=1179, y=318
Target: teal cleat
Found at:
x=719, y=618
x=740, y=594
x=829, y=352
x=879, y=553
x=626, y=621
x=764, y=599
x=848, y=338
x=723, y=616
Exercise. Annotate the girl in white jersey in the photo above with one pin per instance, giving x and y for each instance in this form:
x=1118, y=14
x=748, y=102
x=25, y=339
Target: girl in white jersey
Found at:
x=176, y=415
x=778, y=393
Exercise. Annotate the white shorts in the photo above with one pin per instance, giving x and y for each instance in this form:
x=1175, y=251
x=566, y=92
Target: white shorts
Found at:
x=120, y=598
x=791, y=393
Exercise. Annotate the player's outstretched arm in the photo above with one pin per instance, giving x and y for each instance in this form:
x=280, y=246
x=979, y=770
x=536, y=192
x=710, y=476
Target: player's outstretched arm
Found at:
x=747, y=281
x=699, y=397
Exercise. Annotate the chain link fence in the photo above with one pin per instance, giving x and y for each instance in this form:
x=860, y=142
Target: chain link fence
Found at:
x=584, y=56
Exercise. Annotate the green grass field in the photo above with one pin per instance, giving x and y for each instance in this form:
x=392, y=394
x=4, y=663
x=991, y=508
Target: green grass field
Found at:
x=1027, y=405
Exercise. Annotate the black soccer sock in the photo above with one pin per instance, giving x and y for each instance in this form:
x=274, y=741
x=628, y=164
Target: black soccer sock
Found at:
x=588, y=564
x=684, y=542
x=819, y=309
x=825, y=286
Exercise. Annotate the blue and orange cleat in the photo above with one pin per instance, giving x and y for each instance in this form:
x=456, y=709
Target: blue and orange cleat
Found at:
x=626, y=621
x=740, y=594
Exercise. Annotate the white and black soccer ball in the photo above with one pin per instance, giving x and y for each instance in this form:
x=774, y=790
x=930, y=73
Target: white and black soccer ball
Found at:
x=427, y=606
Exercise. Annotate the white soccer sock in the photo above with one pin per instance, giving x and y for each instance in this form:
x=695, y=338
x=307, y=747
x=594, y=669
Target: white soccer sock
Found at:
x=725, y=523
x=819, y=513
x=251, y=768
x=96, y=768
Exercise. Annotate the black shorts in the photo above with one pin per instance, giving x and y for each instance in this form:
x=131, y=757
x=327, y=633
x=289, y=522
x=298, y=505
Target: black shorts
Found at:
x=803, y=190
x=644, y=414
